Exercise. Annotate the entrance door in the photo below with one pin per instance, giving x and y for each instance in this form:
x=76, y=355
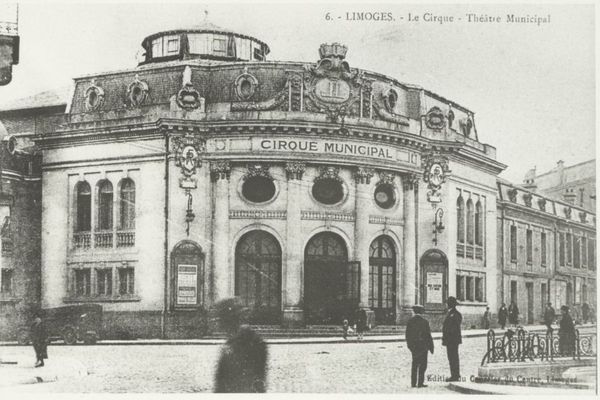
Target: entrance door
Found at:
x=382, y=280
x=331, y=284
x=258, y=276
x=529, y=286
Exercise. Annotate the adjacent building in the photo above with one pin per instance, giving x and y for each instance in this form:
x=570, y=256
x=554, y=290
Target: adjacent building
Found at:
x=307, y=189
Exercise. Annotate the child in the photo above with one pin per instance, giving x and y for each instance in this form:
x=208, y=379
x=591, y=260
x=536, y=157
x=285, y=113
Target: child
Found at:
x=346, y=328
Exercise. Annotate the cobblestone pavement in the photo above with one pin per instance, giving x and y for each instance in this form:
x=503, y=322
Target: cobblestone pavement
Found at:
x=316, y=368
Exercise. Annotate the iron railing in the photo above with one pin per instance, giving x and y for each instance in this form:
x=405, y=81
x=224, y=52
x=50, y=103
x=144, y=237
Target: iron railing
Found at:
x=521, y=346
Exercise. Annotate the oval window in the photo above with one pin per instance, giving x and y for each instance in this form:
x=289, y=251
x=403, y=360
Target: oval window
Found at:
x=328, y=191
x=246, y=88
x=392, y=99
x=385, y=196
x=92, y=98
x=258, y=189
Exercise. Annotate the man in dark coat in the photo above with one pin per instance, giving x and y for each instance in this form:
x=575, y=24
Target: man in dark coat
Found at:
x=419, y=342
x=513, y=313
x=486, y=318
x=361, y=323
x=39, y=339
x=242, y=366
x=502, y=315
x=451, y=338
x=549, y=316
x=566, y=333
x=585, y=312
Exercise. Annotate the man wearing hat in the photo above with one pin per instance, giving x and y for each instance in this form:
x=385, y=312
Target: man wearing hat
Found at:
x=451, y=338
x=419, y=341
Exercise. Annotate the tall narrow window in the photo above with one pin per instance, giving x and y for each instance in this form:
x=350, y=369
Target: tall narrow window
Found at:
x=105, y=205
x=460, y=219
x=543, y=248
x=460, y=291
x=127, y=204
x=569, y=249
x=82, y=282
x=576, y=252
x=470, y=221
x=104, y=282
x=592, y=254
x=529, y=246
x=469, y=286
x=561, y=248
x=126, y=281
x=584, y=248
x=7, y=281
x=513, y=243
x=479, y=290
x=478, y=224
x=84, y=207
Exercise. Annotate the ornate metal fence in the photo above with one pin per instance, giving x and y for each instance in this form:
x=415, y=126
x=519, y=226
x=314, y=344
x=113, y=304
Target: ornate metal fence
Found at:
x=520, y=346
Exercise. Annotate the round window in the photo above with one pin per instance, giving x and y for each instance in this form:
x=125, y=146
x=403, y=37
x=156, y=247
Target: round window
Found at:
x=258, y=189
x=385, y=196
x=328, y=191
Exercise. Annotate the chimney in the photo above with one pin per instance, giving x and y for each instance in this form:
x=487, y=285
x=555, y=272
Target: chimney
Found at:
x=569, y=196
x=560, y=169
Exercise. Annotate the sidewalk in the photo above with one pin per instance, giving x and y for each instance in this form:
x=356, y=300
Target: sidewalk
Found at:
x=294, y=340
x=20, y=370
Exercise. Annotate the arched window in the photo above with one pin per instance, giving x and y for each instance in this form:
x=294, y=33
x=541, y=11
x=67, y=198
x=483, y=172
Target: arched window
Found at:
x=470, y=221
x=258, y=275
x=460, y=219
x=84, y=207
x=478, y=224
x=105, y=205
x=127, y=204
x=382, y=279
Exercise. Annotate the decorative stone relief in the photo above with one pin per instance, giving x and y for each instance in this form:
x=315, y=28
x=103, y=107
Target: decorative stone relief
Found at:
x=94, y=97
x=188, y=97
x=294, y=170
x=512, y=195
x=187, y=157
x=465, y=126
x=527, y=199
x=390, y=99
x=219, y=170
x=542, y=203
x=450, y=118
x=245, y=85
x=434, y=119
x=567, y=211
x=583, y=217
x=258, y=170
x=435, y=171
x=386, y=178
x=363, y=175
x=385, y=107
x=328, y=172
x=137, y=92
x=410, y=181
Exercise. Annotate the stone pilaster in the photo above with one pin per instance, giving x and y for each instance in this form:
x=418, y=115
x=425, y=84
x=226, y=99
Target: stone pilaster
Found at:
x=409, y=289
x=362, y=177
x=293, y=285
x=222, y=270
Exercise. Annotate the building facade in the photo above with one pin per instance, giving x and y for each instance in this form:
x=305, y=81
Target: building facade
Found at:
x=308, y=190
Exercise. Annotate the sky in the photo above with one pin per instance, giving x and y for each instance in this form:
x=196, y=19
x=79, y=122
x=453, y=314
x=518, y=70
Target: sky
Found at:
x=532, y=87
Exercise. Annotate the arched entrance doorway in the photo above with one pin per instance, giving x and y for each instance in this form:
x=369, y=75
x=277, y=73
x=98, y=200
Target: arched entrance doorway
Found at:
x=331, y=283
x=434, y=278
x=382, y=280
x=187, y=276
x=258, y=276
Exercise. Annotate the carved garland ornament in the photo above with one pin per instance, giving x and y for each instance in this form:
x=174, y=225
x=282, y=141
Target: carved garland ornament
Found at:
x=329, y=173
x=386, y=178
x=435, y=172
x=363, y=175
x=434, y=119
x=258, y=170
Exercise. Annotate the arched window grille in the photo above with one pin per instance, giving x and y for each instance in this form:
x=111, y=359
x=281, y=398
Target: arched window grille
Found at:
x=127, y=204
x=478, y=224
x=84, y=207
x=470, y=221
x=460, y=219
x=105, y=205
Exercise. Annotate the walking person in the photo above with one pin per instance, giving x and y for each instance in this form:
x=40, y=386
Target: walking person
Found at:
x=486, y=318
x=242, y=366
x=502, y=315
x=513, y=314
x=566, y=333
x=39, y=339
x=361, y=323
x=549, y=316
x=419, y=342
x=451, y=338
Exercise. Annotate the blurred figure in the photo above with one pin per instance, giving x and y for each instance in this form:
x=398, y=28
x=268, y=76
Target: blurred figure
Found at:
x=549, y=316
x=585, y=312
x=39, y=339
x=486, y=318
x=452, y=338
x=419, y=342
x=347, y=330
x=513, y=314
x=566, y=333
x=361, y=323
x=242, y=366
x=502, y=315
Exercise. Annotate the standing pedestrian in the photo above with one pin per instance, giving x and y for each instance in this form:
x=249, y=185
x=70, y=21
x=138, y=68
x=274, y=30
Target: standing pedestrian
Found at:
x=486, y=318
x=242, y=366
x=39, y=339
x=419, y=342
x=346, y=329
x=585, y=312
x=451, y=338
x=566, y=333
x=361, y=323
x=549, y=316
x=502, y=315
x=513, y=314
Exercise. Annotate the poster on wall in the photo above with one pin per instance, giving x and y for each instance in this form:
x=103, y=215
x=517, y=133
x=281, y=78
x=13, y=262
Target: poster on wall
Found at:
x=434, y=287
x=187, y=284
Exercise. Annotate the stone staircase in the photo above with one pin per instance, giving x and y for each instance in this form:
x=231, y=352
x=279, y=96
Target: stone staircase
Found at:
x=276, y=331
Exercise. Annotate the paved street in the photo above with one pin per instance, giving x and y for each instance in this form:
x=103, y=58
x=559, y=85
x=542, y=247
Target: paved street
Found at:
x=324, y=368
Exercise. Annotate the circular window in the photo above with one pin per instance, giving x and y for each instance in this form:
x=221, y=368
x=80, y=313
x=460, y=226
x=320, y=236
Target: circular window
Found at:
x=385, y=196
x=258, y=189
x=328, y=191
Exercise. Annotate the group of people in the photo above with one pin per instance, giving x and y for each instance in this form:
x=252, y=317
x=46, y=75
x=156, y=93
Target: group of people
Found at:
x=360, y=325
x=511, y=314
